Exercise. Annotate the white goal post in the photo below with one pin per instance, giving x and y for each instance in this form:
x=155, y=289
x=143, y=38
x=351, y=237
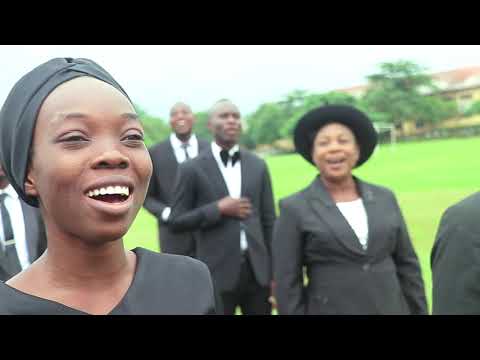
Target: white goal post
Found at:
x=382, y=128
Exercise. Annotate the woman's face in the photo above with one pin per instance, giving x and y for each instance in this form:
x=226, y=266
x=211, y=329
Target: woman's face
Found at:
x=335, y=151
x=90, y=168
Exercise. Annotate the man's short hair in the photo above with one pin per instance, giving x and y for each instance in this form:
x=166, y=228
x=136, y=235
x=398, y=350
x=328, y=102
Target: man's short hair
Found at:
x=213, y=108
x=178, y=104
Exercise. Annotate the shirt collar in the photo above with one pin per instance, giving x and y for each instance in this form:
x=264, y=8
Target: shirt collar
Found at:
x=177, y=144
x=10, y=191
x=216, y=149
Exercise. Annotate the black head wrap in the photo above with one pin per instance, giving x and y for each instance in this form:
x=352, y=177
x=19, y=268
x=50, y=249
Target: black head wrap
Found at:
x=18, y=115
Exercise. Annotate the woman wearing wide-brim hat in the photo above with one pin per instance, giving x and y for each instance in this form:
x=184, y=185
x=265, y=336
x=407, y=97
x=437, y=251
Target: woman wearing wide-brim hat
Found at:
x=349, y=235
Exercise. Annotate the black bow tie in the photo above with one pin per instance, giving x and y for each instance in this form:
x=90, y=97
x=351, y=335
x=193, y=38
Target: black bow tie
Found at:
x=224, y=154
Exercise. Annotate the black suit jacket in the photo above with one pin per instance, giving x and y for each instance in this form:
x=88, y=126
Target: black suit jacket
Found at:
x=34, y=235
x=159, y=196
x=343, y=278
x=455, y=260
x=199, y=187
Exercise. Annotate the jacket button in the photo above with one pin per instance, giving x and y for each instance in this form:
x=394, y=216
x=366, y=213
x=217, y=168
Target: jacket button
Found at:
x=366, y=267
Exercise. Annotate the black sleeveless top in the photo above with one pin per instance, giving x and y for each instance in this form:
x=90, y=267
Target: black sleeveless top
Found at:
x=162, y=285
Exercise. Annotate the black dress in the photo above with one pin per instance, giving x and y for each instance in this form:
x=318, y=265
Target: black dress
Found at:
x=162, y=285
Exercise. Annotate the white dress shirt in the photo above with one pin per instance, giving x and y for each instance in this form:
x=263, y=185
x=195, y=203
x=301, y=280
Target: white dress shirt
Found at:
x=14, y=208
x=356, y=215
x=179, y=152
x=233, y=179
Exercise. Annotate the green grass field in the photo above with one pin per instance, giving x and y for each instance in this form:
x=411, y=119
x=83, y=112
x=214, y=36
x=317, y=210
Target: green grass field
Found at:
x=427, y=177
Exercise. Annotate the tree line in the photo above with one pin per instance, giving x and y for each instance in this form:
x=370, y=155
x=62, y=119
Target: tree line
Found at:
x=398, y=92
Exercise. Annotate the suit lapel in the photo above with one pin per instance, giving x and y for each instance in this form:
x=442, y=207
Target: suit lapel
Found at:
x=202, y=145
x=170, y=158
x=246, y=168
x=322, y=203
x=374, y=213
x=210, y=166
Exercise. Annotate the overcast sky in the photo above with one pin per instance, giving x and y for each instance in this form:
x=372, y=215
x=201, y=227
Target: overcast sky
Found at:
x=157, y=76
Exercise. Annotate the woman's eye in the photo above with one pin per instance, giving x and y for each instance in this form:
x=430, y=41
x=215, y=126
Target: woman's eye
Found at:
x=74, y=138
x=134, y=137
x=133, y=140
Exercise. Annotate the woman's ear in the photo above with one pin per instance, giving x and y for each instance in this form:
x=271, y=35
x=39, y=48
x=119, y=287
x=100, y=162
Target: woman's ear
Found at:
x=30, y=186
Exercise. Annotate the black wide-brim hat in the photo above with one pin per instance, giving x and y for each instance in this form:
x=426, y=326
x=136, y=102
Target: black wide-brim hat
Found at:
x=349, y=116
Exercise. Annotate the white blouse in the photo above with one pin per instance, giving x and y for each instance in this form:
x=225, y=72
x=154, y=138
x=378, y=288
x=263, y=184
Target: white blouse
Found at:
x=356, y=215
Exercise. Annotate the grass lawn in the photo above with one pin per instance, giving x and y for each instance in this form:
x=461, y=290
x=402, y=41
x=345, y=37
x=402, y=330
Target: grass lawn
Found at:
x=427, y=177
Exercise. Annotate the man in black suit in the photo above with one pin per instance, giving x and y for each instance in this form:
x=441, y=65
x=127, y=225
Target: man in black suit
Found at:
x=455, y=260
x=182, y=145
x=22, y=232
x=226, y=195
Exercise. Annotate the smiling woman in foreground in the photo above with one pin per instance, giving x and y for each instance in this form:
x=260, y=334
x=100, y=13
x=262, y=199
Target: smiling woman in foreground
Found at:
x=72, y=144
x=349, y=235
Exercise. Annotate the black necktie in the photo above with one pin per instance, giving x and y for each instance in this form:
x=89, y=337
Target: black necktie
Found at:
x=184, y=147
x=224, y=154
x=7, y=224
x=10, y=261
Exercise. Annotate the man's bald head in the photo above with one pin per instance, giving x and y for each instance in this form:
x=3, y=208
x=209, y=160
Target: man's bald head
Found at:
x=178, y=106
x=221, y=105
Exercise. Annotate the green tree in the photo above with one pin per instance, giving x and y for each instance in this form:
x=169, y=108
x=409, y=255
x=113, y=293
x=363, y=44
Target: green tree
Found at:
x=313, y=101
x=473, y=109
x=200, y=128
x=156, y=129
x=264, y=124
x=402, y=91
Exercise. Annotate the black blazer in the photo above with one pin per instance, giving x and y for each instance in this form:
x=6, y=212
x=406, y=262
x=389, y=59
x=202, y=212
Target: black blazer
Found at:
x=34, y=235
x=199, y=187
x=455, y=260
x=159, y=196
x=343, y=278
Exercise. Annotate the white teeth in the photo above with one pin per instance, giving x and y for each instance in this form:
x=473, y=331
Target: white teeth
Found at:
x=111, y=190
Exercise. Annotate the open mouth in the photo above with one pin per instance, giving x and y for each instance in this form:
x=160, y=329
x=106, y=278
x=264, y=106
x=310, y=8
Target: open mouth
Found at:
x=180, y=124
x=110, y=194
x=335, y=161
